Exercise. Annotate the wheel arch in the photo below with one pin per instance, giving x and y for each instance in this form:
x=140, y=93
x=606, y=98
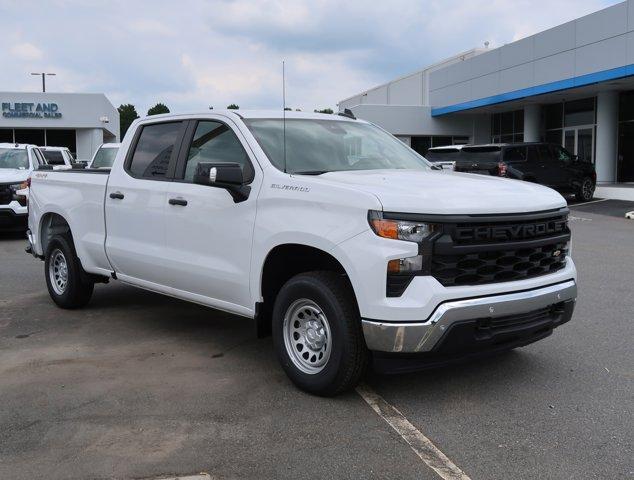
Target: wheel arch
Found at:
x=52, y=224
x=283, y=262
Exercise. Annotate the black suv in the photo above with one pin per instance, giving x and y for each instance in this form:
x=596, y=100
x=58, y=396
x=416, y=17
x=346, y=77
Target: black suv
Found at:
x=545, y=163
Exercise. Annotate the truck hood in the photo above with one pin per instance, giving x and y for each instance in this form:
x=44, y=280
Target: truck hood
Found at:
x=13, y=175
x=448, y=192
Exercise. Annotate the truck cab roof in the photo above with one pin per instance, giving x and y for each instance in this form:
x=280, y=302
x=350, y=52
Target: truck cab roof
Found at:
x=261, y=114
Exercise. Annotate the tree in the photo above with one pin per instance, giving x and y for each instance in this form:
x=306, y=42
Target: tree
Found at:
x=233, y=106
x=325, y=110
x=158, y=108
x=127, y=115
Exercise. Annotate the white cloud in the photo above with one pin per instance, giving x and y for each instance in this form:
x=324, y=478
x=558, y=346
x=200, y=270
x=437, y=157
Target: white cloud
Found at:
x=197, y=53
x=26, y=51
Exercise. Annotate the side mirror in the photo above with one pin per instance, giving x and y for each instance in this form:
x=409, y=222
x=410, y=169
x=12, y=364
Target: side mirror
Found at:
x=223, y=175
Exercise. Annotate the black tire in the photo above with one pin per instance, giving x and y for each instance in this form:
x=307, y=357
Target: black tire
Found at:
x=348, y=354
x=586, y=190
x=76, y=290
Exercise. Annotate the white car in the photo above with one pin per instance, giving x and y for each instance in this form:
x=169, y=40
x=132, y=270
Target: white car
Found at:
x=328, y=231
x=17, y=161
x=104, y=156
x=444, y=157
x=59, y=157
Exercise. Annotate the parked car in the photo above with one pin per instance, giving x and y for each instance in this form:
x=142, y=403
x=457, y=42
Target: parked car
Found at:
x=332, y=234
x=544, y=163
x=104, y=156
x=445, y=157
x=17, y=161
x=59, y=157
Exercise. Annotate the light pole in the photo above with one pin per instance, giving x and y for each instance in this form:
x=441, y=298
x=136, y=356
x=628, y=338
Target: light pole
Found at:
x=44, y=74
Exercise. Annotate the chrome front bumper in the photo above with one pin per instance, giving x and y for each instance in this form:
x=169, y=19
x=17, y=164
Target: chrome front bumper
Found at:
x=412, y=337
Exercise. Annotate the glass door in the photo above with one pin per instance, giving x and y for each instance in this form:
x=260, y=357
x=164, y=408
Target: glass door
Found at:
x=580, y=141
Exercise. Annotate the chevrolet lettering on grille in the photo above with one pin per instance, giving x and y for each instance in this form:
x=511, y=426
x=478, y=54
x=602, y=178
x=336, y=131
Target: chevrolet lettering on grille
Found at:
x=510, y=232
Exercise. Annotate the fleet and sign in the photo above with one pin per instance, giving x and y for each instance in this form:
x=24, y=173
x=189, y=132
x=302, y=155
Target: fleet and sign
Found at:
x=30, y=110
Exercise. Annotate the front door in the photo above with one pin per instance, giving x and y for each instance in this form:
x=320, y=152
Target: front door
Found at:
x=209, y=235
x=136, y=201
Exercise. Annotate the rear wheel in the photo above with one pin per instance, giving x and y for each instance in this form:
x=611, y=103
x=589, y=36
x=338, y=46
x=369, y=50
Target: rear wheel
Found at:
x=317, y=333
x=586, y=190
x=68, y=285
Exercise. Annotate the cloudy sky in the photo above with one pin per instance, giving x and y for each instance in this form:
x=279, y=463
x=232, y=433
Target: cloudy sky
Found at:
x=192, y=54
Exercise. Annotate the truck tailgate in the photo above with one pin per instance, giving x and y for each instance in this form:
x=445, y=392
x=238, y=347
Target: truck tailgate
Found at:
x=78, y=196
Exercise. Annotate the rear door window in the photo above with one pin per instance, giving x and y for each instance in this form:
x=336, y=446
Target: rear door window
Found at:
x=545, y=154
x=532, y=153
x=155, y=150
x=515, y=154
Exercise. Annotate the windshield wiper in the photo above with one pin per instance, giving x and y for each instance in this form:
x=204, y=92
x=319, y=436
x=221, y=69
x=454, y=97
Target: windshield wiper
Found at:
x=311, y=172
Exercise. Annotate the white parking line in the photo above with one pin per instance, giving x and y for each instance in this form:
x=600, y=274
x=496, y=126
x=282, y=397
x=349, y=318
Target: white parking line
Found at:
x=200, y=476
x=591, y=201
x=423, y=446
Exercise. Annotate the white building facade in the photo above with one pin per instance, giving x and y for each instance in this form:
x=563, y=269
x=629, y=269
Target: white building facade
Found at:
x=79, y=121
x=572, y=85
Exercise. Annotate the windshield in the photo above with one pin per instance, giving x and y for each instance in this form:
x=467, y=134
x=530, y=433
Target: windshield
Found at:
x=318, y=146
x=104, y=158
x=14, y=158
x=53, y=157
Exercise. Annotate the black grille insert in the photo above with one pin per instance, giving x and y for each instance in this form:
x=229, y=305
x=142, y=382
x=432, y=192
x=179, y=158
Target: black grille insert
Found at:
x=492, y=252
x=499, y=265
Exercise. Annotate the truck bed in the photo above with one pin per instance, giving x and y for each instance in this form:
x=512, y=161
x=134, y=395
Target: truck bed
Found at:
x=78, y=196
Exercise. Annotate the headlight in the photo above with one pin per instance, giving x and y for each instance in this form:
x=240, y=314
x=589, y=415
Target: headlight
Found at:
x=400, y=229
x=19, y=192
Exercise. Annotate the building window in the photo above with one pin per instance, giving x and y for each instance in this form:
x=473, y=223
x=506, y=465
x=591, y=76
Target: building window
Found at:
x=6, y=135
x=579, y=112
x=423, y=143
x=62, y=138
x=507, y=127
x=572, y=125
x=32, y=136
x=625, y=159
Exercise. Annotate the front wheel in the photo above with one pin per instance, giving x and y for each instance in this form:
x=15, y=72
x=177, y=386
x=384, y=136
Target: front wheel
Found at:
x=586, y=190
x=68, y=285
x=317, y=333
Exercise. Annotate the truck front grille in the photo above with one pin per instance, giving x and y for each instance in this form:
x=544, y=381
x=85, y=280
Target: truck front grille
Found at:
x=6, y=194
x=477, y=253
x=498, y=265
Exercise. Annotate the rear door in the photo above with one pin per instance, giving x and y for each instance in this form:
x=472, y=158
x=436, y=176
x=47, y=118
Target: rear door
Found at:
x=209, y=235
x=136, y=200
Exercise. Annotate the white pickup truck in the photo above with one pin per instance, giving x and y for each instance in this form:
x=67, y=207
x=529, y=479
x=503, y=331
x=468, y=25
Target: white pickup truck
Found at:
x=329, y=232
x=17, y=162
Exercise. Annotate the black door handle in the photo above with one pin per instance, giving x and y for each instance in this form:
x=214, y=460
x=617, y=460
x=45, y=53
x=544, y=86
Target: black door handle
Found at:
x=178, y=201
x=117, y=195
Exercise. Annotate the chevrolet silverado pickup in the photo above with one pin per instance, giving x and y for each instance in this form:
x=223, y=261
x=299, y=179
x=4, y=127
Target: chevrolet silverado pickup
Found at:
x=17, y=162
x=334, y=236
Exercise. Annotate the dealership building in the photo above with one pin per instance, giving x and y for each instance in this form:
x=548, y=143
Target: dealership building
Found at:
x=572, y=85
x=79, y=121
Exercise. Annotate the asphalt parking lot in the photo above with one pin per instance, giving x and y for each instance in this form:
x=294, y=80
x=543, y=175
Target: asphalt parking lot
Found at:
x=138, y=385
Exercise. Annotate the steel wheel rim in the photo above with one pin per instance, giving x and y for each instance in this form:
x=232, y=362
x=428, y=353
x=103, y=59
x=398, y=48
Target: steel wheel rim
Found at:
x=307, y=336
x=587, y=189
x=58, y=271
